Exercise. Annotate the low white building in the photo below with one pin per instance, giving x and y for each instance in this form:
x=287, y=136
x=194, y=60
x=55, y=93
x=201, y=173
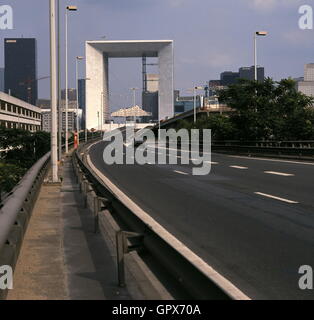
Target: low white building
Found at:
x=16, y=113
x=307, y=85
x=72, y=112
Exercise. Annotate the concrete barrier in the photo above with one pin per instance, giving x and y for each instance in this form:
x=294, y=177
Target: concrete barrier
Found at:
x=16, y=212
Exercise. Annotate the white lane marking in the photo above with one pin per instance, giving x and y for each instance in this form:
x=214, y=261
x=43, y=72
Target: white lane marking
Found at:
x=169, y=238
x=239, y=167
x=179, y=150
x=280, y=173
x=181, y=172
x=272, y=160
x=211, y=162
x=276, y=198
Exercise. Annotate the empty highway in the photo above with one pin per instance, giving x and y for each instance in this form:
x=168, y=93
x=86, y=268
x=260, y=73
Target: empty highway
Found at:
x=251, y=219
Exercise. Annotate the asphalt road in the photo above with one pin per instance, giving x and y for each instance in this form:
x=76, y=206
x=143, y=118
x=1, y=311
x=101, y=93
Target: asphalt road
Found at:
x=251, y=219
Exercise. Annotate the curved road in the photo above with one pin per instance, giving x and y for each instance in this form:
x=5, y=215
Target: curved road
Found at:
x=251, y=219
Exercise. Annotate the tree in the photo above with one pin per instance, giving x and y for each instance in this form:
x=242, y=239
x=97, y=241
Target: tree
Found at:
x=23, y=148
x=269, y=110
x=20, y=149
x=10, y=175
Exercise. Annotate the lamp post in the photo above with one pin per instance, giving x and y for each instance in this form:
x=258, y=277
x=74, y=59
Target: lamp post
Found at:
x=77, y=101
x=60, y=107
x=86, y=79
x=102, y=111
x=68, y=8
x=134, y=101
x=194, y=100
x=53, y=92
x=257, y=34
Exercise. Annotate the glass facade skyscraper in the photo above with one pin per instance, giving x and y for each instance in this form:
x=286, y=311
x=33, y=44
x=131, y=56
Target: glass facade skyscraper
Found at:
x=20, y=56
x=82, y=99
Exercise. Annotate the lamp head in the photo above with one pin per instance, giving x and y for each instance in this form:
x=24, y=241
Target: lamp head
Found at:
x=72, y=8
x=262, y=33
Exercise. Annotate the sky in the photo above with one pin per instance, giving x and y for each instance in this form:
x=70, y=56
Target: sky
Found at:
x=210, y=36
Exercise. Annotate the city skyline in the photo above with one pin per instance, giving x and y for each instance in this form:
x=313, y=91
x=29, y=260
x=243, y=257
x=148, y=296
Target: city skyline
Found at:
x=176, y=169
x=227, y=25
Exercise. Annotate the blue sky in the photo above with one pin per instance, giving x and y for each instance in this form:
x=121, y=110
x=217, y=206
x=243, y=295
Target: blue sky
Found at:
x=210, y=36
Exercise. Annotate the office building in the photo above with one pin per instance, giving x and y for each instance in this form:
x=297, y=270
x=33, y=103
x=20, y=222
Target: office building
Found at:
x=150, y=97
x=307, y=86
x=150, y=104
x=228, y=78
x=15, y=113
x=248, y=73
x=152, y=82
x=213, y=88
x=82, y=99
x=71, y=94
x=2, y=79
x=20, y=55
x=309, y=72
x=72, y=113
x=98, y=57
x=186, y=103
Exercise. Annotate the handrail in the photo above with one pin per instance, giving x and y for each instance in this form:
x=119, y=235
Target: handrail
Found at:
x=14, y=203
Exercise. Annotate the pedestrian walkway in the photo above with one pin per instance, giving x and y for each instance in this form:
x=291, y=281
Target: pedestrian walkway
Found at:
x=61, y=256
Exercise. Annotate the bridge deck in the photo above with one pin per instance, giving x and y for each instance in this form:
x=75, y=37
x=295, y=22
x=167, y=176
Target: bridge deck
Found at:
x=61, y=257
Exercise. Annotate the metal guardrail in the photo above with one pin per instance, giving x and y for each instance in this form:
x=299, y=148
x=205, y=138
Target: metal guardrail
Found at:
x=15, y=213
x=185, y=273
x=303, y=150
x=16, y=210
x=302, y=144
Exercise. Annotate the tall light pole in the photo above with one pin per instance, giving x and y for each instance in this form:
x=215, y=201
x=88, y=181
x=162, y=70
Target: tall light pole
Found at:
x=77, y=100
x=194, y=100
x=102, y=111
x=134, y=100
x=68, y=8
x=85, y=79
x=53, y=92
x=60, y=107
x=257, y=34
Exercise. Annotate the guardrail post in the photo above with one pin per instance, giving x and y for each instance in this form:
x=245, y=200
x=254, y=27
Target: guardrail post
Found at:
x=96, y=213
x=98, y=201
x=122, y=249
x=120, y=258
x=86, y=191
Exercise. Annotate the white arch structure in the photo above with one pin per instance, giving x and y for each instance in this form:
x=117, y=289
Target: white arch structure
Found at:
x=98, y=54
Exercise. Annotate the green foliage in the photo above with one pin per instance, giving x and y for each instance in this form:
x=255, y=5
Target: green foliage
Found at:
x=221, y=126
x=269, y=110
x=20, y=150
x=23, y=148
x=10, y=175
x=266, y=110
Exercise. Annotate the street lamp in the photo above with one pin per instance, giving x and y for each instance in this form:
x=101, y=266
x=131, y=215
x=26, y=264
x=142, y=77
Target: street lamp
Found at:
x=102, y=110
x=194, y=99
x=68, y=8
x=257, y=34
x=134, y=101
x=77, y=101
x=53, y=91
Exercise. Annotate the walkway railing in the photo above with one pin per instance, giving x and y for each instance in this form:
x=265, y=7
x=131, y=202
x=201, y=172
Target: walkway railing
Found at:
x=16, y=210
